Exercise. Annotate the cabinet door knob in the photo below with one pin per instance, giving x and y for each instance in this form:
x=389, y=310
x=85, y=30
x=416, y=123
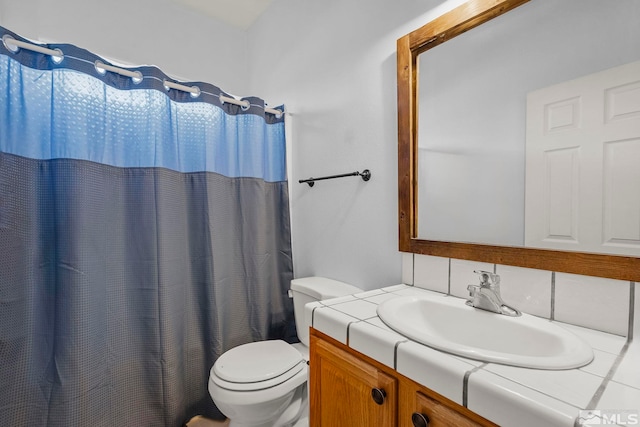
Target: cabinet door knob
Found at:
x=378, y=395
x=419, y=420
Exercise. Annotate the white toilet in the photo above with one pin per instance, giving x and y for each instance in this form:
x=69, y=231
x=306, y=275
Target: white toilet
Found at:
x=264, y=383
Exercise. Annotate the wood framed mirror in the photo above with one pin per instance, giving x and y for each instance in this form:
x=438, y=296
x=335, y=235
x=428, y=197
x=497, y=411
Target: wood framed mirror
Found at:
x=454, y=23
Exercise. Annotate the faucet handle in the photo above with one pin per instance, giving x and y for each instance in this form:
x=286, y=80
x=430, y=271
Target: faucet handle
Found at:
x=488, y=278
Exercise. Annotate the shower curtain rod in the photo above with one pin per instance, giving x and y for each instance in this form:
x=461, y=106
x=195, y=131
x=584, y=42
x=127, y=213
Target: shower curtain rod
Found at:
x=137, y=76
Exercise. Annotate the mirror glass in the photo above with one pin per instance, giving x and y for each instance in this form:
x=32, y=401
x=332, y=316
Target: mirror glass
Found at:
x=472, y=115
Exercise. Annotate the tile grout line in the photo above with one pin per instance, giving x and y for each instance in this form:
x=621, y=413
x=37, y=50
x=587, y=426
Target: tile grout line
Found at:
x=605, y=381
x=348, y=331
x=449, y=278
x=395, y=354
x=465, y=383
x=632, y=308
x=552, y=315
x=413, y=269
x=313, y=316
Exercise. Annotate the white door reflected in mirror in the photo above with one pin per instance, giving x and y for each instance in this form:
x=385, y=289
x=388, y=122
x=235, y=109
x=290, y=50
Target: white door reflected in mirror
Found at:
x=583, y=164
x=472, y=111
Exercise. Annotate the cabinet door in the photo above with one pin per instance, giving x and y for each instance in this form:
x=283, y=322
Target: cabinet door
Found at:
x=436, y=415
x=341, y=390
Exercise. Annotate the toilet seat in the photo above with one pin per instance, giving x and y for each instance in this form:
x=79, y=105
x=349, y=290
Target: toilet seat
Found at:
x=257, y=366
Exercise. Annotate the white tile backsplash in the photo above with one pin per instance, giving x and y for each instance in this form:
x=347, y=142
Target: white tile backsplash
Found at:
x=593, y=302
x=462, y=275
x=431, y=272
x=526, y=289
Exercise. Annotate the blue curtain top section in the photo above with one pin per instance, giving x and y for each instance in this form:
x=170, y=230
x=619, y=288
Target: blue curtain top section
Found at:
x=71, y=110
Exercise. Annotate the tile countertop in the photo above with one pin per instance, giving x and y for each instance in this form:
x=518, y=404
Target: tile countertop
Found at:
x=510, y=396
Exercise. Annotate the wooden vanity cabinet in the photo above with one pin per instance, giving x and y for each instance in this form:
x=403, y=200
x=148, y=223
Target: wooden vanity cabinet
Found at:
x=348, y=388
x=419, y=409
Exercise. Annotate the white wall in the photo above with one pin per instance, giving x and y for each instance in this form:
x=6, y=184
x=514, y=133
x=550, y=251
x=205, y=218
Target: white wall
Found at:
x=157, y=32
x=334, y=65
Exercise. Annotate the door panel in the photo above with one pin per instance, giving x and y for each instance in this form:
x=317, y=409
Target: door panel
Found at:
x=582, y=165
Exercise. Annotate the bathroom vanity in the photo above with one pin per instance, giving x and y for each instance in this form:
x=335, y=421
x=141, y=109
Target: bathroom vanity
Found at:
x=363, y=373
x=349, y=388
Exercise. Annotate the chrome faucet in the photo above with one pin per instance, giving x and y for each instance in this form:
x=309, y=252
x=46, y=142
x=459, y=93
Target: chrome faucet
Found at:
x=486, y=295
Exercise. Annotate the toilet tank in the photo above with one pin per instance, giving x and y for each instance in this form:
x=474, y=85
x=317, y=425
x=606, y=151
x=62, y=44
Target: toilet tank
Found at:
x=309, y=289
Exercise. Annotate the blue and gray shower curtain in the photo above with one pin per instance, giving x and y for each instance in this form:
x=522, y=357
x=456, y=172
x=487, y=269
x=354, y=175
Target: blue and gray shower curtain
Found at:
x=143, y=232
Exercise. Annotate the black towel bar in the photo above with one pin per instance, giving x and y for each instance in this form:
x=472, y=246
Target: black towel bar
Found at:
x=365, y=174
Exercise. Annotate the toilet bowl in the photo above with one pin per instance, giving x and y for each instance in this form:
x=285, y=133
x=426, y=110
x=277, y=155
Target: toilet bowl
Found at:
x=264, y=384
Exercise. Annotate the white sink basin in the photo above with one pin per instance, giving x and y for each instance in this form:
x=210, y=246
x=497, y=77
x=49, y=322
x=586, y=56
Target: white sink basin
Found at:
x=448, y=324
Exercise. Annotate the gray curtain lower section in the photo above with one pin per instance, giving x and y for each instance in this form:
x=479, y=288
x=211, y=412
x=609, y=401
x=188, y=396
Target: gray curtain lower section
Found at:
x=119, y=288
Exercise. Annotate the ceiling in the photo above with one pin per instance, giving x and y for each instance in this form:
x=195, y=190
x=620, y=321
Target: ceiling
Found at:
x=239, y=13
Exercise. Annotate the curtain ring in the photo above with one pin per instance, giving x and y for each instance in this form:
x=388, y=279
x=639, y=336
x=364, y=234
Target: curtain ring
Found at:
x=57, y=58
x=98, y=67
x=137, y=79
x=9, y=46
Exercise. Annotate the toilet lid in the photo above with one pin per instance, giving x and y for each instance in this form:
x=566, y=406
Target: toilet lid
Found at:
x=257, y=361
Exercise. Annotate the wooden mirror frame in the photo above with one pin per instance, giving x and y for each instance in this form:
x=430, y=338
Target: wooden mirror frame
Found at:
x=461, y=19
